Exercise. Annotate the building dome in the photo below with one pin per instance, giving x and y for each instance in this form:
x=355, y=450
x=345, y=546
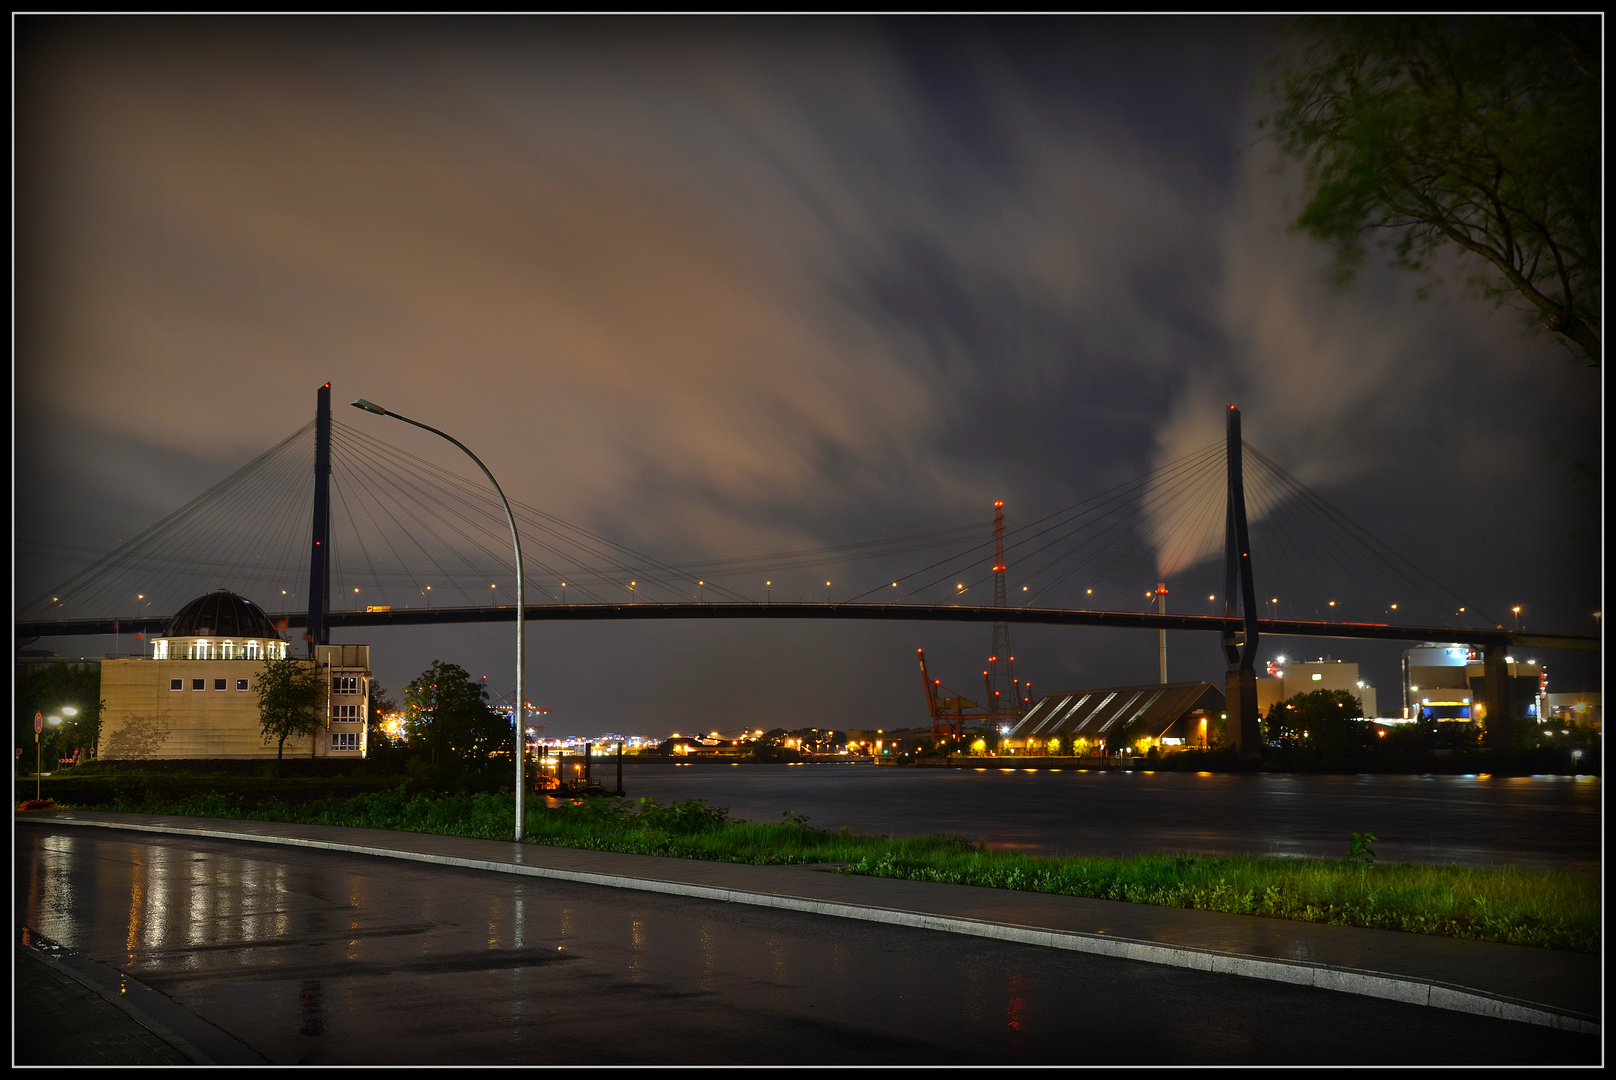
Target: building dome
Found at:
x=221, y=614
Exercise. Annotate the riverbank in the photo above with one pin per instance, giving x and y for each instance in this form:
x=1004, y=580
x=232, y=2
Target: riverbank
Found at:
x=1440, y=762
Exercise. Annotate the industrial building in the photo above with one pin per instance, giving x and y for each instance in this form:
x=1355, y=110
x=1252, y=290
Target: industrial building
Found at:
x=1575, y=709
x=194, y=696
x=1445, y=682
x=1287, y=678
x=1080, y=722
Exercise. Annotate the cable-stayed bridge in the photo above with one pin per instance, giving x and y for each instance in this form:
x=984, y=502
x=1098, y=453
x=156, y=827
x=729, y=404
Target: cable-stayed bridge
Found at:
x=407, y=541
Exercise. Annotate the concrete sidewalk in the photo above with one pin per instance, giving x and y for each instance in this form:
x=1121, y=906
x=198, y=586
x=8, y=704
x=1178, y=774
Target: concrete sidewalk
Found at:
x=1537, y=986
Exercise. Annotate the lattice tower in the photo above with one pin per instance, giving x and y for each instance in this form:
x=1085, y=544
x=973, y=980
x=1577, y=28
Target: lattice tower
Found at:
x=1002, y=689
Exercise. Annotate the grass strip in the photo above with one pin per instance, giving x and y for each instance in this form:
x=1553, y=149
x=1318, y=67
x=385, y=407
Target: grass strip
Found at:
x=1549, y=909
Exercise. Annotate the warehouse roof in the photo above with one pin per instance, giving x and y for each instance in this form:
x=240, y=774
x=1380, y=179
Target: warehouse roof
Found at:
x=1089, y=714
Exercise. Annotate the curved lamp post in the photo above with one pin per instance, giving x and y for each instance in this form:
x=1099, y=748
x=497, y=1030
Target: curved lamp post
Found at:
x=518, y=713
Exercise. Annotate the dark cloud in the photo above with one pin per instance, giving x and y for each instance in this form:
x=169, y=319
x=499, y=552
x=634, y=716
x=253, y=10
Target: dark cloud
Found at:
x=715, y=287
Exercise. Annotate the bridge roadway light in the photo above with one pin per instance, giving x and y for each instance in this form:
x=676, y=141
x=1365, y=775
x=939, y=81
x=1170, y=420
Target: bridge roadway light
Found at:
x=518, y=721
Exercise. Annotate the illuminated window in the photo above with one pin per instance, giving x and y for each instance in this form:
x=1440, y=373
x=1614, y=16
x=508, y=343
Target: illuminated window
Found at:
x=160, y=649
x=227, y=650
x=252, y=650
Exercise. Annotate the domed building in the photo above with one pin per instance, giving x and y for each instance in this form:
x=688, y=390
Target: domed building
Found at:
x=194, y=696
x=219, y=626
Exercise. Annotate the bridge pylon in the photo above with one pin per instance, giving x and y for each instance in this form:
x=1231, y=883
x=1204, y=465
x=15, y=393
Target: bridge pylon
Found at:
x=1239, y=596
x=320, y=543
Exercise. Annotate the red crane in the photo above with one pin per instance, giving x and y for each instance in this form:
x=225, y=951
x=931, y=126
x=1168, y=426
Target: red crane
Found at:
x=947, y=710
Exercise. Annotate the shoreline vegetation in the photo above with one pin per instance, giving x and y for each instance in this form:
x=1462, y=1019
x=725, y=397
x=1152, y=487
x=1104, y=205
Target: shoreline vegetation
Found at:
x=1547, y=909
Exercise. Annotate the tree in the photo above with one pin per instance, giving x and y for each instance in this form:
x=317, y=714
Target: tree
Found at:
x=448, y=714
x=1126, y=736
x=379, y=745
x=48, y=689
x=1481, y=132
x=290, y=693
x=1329, y=721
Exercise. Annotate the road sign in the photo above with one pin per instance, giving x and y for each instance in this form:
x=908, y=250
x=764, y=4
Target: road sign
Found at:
x=39, y=723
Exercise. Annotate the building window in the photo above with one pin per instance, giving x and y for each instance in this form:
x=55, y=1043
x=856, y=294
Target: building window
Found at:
x=218, y=684
x=345, y=684
x=345, y=740
x=345, y=712
x=227, y=650
x=176, y=684
x=199, y=684
x=252, y=650
x=241, y=684
x=160, y=650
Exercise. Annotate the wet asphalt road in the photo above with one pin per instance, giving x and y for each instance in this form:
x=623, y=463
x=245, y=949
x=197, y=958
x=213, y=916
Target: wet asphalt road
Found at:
x=318, y=957
x=1548, y=822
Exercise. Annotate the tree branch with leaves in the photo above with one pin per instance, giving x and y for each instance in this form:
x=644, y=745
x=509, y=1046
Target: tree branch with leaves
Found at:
x=1479, y=132
x=290, y=695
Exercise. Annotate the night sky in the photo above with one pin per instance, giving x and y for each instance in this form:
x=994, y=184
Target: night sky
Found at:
x=712, y=288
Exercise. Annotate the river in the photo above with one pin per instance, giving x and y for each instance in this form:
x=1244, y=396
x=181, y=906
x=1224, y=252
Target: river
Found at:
x=1536, y=822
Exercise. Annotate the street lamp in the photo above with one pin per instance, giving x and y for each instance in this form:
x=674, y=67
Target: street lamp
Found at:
x=521, y=610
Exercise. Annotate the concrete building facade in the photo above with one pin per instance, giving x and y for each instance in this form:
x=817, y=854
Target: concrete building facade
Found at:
x=195, y=695
x=1288, y=678
x=1446, y=682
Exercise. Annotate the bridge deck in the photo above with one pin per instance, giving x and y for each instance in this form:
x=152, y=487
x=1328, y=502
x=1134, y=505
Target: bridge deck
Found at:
x=1130, y=620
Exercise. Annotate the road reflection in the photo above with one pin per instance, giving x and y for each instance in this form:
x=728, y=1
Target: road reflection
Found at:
x=319, y=958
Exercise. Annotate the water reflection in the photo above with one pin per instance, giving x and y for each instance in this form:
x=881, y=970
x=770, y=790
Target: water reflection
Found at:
x=637, y=946
x=331, y=960
x=311, y=1003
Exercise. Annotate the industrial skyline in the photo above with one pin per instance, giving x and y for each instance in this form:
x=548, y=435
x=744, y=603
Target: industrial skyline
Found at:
x=746, y=287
